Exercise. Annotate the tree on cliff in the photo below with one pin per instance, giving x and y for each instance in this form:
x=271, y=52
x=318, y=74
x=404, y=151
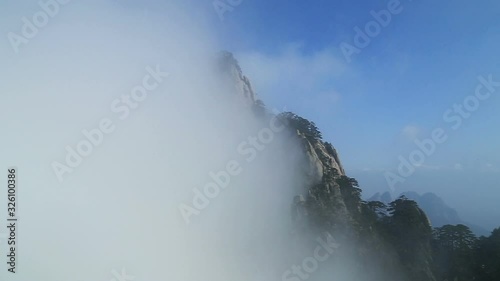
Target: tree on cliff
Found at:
x=351, y=193
x=308, y=128
x=487, y=257
x=453, y=247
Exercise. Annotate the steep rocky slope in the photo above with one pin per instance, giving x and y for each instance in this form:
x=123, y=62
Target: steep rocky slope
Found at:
x=376, y=245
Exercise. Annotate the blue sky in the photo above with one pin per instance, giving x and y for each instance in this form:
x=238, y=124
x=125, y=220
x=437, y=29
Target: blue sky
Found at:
x=59, y=86
x=396, y=90
x=427, y=59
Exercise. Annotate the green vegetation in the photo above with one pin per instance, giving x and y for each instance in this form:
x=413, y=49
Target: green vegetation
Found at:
x=397, y=237
x=351, y=193
x=460, y=255
x=308, y=128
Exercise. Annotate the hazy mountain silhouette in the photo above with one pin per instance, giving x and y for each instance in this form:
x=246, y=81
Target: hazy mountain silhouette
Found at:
x=437, y=210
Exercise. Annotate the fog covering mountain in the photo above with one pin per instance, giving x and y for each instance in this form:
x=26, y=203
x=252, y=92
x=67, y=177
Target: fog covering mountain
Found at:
x=437, y=210
x=373, y=240
x=200, y=181
x=327, y=203
x=152, y=198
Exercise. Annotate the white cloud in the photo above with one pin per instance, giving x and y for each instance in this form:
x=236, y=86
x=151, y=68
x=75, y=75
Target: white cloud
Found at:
x=430, y=167
x=293, y=72
x=488, y=167
x=410, y=132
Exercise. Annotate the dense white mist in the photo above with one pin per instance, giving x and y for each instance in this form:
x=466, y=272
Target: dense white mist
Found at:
x=120, y=207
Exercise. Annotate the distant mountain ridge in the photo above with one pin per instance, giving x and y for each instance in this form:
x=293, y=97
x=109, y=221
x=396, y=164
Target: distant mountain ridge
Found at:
x=437, y=210
x=327, y=203
x=380, y=241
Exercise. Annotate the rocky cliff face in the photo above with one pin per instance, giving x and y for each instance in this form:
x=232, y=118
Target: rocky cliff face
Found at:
x=321, y=157
x=240, y=83
x=330, y=202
